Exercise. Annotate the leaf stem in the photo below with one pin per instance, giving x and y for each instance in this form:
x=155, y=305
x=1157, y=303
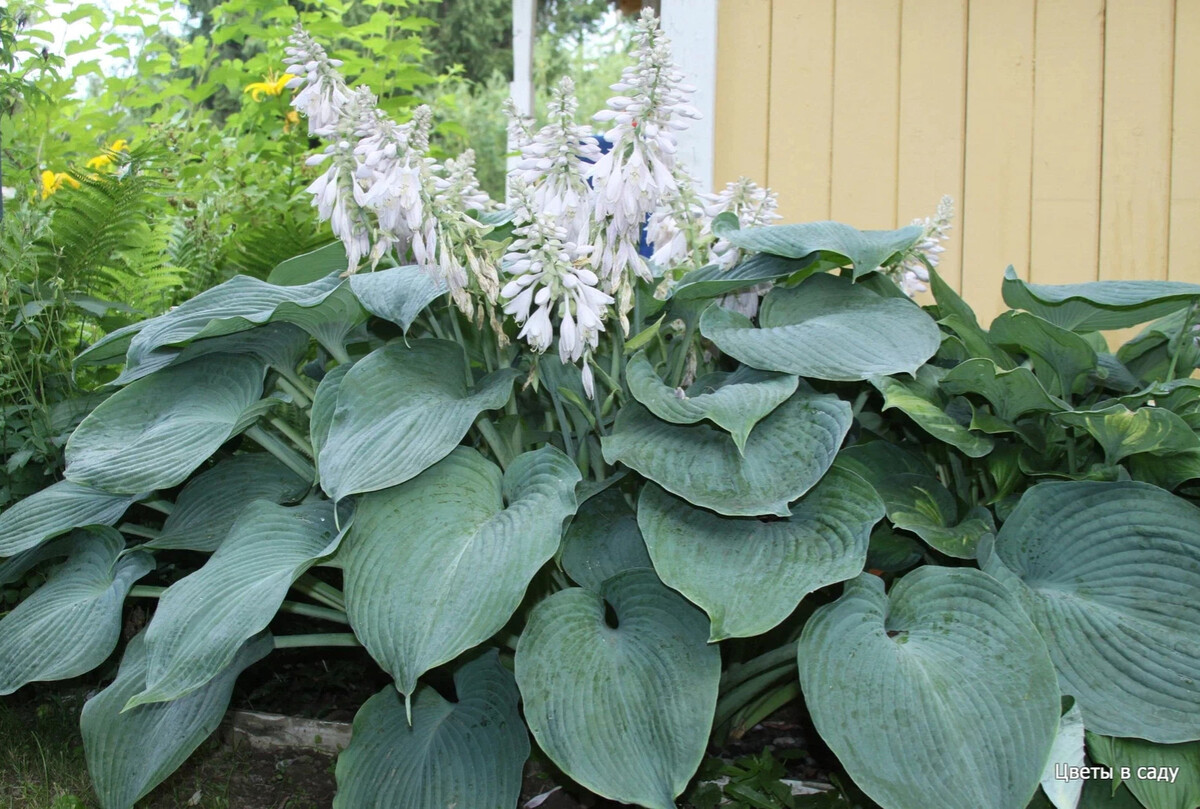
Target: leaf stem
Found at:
x=161, y=506
x=308, y=641
x=296, y=608
x=137, y=530
x=319, y=591
x=289, y=387
x=286, y=455
x=495, y=442
x=295, y=437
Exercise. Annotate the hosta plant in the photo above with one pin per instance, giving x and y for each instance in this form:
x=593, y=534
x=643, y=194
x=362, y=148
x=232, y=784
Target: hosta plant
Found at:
x=627, y=503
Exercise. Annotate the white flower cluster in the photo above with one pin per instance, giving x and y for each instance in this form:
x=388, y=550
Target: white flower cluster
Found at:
x=553, y=160
x=638, y=173
x=550, y=272
x=381, y=191
x=911, y=273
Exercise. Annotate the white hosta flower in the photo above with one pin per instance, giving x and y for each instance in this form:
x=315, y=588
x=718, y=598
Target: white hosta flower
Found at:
x=634, y=177
x=911, y=274
x=549, y=280
x=553, y=161
x=323, y=94
x=334, y=198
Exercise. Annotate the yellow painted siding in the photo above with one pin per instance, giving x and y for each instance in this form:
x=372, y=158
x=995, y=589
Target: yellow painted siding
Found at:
x=1067, y=131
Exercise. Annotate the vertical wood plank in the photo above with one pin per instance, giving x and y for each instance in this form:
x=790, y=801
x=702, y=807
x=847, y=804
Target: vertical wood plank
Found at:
x=1184, y=256
x=933, y=117
x=743, y=84
x=1067, y=116
x=1136, y=167
x=998, y=154
x=799, y=154
x=866, y=77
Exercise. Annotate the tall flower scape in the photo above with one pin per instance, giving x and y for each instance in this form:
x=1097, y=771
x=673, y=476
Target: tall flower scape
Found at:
x=578, y=211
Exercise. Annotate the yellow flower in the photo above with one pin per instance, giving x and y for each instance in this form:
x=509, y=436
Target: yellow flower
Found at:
x=52, y=181
x=290, y=120
x=268, y=86
x=103, y=161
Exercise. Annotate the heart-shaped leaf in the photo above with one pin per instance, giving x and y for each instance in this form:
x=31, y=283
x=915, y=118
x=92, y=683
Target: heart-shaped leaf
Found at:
x=239, y=304
x=921, y=504
x=1011, y=393
x=939, y=695
x=400, y=410
x=398, y=294
x=1122, y=432
x=1099, y=305
x=735, y=402
x=55, y=510
x=154, y=432
x=1110, y=573
x=1062, y=359
x=864, y=250
x=210, y=503
x=1161, y=776
x=131, y=752
x=827, y=328
x=747, y=574
x=467, y=753
x=713, y=281
x=278, y=345
x=912, y=399
x=311, y=266
x=784, y=457
x=472, y=540
x=320, y=418
x=70, y=624
x=626, y=710
x=602, y=541
x=204, y=618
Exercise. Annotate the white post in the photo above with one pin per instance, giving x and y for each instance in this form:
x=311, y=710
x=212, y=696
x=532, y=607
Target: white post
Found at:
x=692, y=27
x=524, y=28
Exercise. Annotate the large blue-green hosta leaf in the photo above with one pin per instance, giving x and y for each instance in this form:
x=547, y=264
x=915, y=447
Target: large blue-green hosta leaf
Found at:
x=320, y=417
x=400, y=410
x=827, y=328
x=398, y=294
x=713, y=281
x=131, y=752
x=784, y=456
x=154, y=432
x=468, y=753
x=204, y=618
x=55, y=510
x=1061, y=358
x=864, y=250
x=70, y=624
x=239, y=304
x=1110, y=573
x=210, y=503
x=626, y=710
x=1099, y=305
x=279, y=345
x=1121, y=432
x=939, y=695
x=747, y=574
x=314, y=265
x=602, y=541
x=913, y=399
x=735, y=402
x=439, y=564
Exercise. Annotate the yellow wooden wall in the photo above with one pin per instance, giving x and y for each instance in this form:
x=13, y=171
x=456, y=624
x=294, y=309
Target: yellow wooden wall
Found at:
x=1067, y=131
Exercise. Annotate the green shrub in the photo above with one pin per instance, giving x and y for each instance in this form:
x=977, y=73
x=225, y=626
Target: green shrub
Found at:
x=770, y=477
